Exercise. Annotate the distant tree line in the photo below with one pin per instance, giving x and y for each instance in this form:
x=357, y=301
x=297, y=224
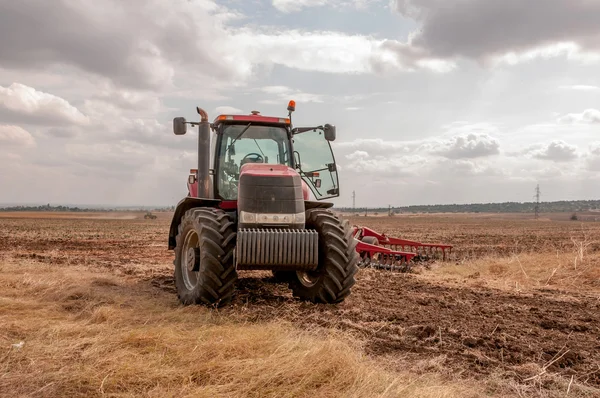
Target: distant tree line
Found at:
x=506, y=207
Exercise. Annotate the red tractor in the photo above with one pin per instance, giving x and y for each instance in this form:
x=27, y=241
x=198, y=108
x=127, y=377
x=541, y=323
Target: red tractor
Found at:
x=248, y=208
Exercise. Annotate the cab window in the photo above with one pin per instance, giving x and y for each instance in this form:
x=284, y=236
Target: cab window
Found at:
x=258, y=144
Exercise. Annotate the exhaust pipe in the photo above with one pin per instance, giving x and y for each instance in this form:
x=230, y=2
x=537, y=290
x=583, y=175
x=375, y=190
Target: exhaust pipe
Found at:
x=203, y=176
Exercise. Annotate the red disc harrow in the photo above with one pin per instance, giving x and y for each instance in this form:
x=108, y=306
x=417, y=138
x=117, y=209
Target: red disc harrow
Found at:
x=377, y=250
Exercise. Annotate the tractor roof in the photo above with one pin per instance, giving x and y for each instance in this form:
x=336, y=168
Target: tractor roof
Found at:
x=255, y=116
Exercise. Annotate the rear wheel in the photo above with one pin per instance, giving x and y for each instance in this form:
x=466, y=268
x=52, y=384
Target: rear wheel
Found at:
x=334, y=277
x=204, y=268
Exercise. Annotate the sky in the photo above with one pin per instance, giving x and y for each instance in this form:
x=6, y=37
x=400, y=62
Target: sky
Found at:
x=434, y=101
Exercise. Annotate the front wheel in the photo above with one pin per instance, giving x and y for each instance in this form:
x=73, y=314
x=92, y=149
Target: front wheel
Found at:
x=204, y=268
x=334, y=277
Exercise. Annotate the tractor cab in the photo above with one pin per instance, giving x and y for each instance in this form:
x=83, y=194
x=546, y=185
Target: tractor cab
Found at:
x=255, y=139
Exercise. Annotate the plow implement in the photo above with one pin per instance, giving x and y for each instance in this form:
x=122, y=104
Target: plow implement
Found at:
x=377, y=250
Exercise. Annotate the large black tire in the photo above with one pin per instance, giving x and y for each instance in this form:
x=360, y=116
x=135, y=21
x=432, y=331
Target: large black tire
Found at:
x=331, y=282
x=204, y=268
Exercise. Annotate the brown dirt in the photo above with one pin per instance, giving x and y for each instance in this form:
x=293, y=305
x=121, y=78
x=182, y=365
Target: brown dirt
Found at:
x=480, y=331
x=470, y=330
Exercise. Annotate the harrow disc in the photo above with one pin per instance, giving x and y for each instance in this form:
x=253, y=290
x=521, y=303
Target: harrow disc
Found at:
x=386, y=262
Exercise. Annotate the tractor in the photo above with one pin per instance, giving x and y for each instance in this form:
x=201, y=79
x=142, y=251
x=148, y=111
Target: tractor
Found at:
x=149, y=216
x=249, y=207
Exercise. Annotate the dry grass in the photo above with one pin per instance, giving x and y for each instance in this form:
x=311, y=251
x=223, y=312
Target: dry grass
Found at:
x=91, y=334
x=576, y=270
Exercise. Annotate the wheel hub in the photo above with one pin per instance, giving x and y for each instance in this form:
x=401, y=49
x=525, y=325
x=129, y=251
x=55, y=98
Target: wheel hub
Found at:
x=307, y=278
x=190, y=263
x=193, y=259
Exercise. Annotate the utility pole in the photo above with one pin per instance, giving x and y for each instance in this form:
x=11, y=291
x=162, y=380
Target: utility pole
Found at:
x=389, y=210
x=353, y=201
x=537, y=201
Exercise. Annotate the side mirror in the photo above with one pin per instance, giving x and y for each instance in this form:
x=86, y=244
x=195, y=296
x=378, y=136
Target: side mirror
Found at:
x=329, y=132
x=297, y=160
x=179, y=126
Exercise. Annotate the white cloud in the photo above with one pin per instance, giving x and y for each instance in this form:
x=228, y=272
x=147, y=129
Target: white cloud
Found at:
x=469, y=146
x=289, y=6
x=26, y=104
x=15, y=136
x=230, y=110
x=287, y=93
x=323, y=51
x=362, y=162
x=593, y=157
x=589, y=116
x=580, y=87
x=556, y=151
x=568, y=50
x=131, y=100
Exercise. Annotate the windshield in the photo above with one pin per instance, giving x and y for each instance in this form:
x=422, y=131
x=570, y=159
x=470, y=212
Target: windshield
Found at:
x=258, y=144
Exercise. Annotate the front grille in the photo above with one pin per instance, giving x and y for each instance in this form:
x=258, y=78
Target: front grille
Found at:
x=277, y=249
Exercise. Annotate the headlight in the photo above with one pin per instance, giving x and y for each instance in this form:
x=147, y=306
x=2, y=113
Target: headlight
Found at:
x=271, y=218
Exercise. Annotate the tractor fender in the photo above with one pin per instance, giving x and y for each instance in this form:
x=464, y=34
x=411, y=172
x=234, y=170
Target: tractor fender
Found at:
x=184, y=205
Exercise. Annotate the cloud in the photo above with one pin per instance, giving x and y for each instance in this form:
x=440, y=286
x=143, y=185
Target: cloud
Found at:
x=289, y=6
x=362, y=162
x=286, y=93
x=323, y=51
x=169, y=46
x=15, y=136
x=230, y=110
x=593, y=157
x=62, y=132
x=25, y=104
x=482, y=29
x=129, y=100
x=104, y=40
x=468, y=147
x=379, y=145
x=556, y=151
x=589, y=116
x=580, y=87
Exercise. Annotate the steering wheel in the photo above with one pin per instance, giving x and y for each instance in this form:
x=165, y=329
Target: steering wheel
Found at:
x=257, y=158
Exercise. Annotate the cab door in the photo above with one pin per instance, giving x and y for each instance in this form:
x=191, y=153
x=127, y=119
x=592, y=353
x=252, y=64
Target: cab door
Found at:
x=315, y=162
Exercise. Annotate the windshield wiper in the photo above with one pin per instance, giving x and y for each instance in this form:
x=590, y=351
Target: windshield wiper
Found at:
x=238, y=137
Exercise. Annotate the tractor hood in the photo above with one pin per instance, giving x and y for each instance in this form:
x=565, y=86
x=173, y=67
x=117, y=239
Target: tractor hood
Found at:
x=270, y=195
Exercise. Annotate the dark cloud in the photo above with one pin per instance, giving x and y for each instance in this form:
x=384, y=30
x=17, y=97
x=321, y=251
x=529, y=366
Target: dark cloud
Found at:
x=133, y=43
x=481, y=28
x=62, y=132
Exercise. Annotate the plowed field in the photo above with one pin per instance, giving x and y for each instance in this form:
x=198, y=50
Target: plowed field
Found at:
x=517, y=307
